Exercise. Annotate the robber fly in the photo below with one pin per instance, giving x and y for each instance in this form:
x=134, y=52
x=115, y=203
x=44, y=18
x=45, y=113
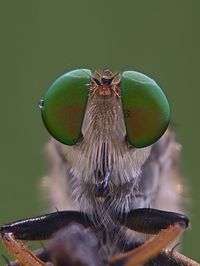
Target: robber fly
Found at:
x=114, y=175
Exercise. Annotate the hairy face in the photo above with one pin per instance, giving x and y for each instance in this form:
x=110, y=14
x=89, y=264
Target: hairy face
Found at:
x=103, y=156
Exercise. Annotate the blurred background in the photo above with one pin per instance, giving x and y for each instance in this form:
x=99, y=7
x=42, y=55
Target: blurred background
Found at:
x=40, y=40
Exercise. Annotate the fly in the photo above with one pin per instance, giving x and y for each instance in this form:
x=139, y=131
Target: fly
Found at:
x=114, y=176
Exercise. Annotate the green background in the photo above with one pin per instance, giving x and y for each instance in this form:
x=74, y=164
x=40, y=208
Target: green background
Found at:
x=40, y=40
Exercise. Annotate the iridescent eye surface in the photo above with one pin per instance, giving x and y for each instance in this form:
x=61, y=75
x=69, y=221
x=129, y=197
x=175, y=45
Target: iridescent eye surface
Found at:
x=145, y=107
x=64, y=104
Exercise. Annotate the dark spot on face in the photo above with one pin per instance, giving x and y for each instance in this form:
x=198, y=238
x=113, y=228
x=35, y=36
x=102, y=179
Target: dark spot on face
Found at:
x=106, y=81
x=127, y=113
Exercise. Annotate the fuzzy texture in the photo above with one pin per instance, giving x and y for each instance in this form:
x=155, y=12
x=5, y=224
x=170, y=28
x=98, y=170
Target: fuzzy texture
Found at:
x=139, y=178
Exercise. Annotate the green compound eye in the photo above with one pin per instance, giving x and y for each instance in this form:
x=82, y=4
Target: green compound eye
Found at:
x=64, y=104
x=145, y=107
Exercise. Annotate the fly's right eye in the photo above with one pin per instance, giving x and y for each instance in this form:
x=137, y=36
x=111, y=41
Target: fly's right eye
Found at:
x=145, y=107
x=64, y=104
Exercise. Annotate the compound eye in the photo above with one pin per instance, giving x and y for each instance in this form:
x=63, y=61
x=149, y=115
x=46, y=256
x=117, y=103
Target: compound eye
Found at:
x=145, y=107
x=64, y=104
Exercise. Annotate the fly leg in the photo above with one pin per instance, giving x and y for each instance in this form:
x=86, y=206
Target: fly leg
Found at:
x=166, y=226
x=37, y=228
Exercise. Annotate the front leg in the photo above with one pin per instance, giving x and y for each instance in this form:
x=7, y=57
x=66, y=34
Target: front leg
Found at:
x=166, y=225
x=37, y=228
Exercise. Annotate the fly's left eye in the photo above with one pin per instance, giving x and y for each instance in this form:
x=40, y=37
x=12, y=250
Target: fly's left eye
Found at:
x=145, y=107
x=64, y=104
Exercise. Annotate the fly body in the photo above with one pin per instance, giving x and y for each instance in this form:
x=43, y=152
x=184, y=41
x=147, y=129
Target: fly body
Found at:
x=114, y=176
x=103, y=175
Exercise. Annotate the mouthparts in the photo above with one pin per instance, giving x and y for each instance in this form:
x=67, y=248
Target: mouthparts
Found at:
x=102, y=184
